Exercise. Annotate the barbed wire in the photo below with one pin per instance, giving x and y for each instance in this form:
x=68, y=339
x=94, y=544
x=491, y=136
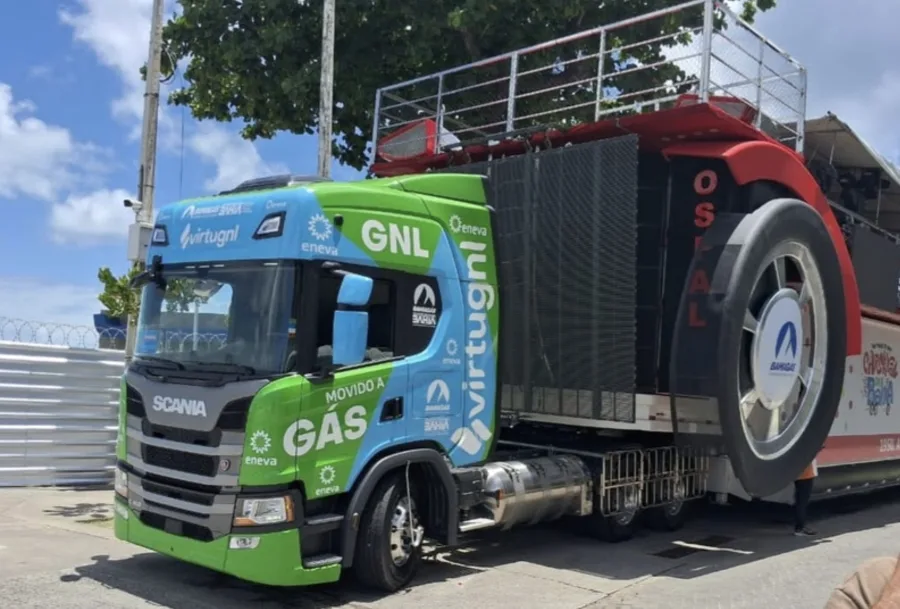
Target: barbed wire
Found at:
x=87, y=337
x=184, y=341
x=48, y=333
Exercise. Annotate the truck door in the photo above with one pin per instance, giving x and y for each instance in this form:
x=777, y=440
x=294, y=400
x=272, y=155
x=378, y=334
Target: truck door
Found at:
x=359, y=410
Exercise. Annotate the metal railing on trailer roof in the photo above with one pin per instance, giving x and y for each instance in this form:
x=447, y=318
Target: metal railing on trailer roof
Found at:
x=625, y=68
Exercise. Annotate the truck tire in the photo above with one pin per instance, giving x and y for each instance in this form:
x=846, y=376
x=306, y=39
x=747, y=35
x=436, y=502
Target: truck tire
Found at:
x=613, y=529
x=387, y=558
x=671, y=517
x=779, y=342
x=623, y=522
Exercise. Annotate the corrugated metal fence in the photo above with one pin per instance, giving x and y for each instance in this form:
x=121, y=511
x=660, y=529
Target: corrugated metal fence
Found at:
x=59, y=396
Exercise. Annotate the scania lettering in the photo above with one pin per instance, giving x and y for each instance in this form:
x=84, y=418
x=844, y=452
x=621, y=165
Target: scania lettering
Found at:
x=602, y=320
x=194, y=408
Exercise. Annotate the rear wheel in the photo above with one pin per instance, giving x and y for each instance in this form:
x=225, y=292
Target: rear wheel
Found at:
x=671, y=516
x=622, y=524
x=389, y=547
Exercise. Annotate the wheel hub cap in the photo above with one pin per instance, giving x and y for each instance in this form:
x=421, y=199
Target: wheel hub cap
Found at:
x=406, y=532
x=777, y=349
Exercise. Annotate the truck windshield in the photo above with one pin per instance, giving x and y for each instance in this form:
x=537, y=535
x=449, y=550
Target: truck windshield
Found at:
x=233, y=316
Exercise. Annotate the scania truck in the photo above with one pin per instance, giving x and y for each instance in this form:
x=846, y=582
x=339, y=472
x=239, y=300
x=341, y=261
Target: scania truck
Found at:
x=597, y=307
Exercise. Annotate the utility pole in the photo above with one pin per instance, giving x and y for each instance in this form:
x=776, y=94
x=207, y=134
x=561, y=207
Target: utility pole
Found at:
x=326, y=90
x=139, y=232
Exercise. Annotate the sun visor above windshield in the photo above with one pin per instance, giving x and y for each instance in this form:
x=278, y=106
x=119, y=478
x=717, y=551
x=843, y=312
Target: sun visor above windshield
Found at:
x=239, y=227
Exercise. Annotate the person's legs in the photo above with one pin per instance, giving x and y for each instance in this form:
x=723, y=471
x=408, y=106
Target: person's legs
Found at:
x=802, y=494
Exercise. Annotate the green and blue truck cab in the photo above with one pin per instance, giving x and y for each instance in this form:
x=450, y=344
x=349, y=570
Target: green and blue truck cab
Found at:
x=311, y=360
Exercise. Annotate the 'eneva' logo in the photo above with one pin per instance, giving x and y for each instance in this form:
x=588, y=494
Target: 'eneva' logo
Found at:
x=785, y=345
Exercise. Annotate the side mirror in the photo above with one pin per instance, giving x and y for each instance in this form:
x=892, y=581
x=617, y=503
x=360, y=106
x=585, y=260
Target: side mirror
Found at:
x=141, y=279
x=351, y=323
x=154, y=274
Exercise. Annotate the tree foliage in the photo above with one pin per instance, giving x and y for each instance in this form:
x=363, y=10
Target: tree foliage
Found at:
x=258, y=60
x=120, y=300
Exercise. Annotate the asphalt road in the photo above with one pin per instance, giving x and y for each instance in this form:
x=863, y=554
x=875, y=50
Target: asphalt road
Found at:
x=57, y=549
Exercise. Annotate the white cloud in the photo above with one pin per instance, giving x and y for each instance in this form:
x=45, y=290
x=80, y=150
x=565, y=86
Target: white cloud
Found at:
x=44, y=162
x=37, y=160
x=119, y=33
x=848, y=59
x=91, y=218
x=236, y=159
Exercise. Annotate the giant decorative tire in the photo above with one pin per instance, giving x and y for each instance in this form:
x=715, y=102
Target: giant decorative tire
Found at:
x=777, y=342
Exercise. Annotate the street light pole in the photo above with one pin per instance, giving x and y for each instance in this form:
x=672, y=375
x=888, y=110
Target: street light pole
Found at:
x=326, y=90
x=139, y=232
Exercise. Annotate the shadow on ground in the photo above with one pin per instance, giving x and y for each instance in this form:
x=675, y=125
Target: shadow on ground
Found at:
x=83, y=512
x=718, y=539
x=153, y=577
x=85, y=487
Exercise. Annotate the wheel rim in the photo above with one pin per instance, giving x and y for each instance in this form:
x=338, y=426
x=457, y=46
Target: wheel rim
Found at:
x=781, y=369
x=630, y=502
x=406, y=532
x=677, y=500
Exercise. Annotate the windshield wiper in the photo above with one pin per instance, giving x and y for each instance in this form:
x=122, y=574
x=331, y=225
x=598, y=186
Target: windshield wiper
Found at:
x=161, y=361
x=224, y=367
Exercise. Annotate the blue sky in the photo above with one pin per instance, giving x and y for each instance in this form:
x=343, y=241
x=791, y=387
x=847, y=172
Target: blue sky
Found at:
x=70, y=104
x=69, y=148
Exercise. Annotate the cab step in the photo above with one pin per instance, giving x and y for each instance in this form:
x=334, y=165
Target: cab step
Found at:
x=322, y=523
x=321, y=560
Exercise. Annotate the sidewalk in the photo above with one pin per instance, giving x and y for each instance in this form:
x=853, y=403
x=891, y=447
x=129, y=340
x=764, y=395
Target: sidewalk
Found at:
x=87, y=510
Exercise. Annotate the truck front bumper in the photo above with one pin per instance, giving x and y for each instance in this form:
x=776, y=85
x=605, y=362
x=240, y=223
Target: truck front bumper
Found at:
x=271, y=559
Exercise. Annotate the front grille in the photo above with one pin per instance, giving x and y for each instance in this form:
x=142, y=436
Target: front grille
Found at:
x=134, y=404
x=234, y=416
x=182, y=436
x=200, y=465
x=174, y=457
x=178, y=492
x=176, y=527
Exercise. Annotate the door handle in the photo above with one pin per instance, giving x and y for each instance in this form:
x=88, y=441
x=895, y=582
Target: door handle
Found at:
x=392, y=410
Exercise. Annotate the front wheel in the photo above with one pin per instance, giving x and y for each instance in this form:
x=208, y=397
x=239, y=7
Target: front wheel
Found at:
x=389, y=547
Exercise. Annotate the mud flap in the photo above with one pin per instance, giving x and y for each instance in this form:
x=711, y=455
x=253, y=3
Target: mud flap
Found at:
x=761, y=333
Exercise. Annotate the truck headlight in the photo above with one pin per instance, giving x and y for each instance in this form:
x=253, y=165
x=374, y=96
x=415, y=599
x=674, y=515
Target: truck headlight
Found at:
x=121, y=483
x=271, y=510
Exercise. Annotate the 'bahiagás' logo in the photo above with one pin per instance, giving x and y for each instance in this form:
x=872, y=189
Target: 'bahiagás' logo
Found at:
x=437, y=398
x=216, y=211
x=785, y=349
